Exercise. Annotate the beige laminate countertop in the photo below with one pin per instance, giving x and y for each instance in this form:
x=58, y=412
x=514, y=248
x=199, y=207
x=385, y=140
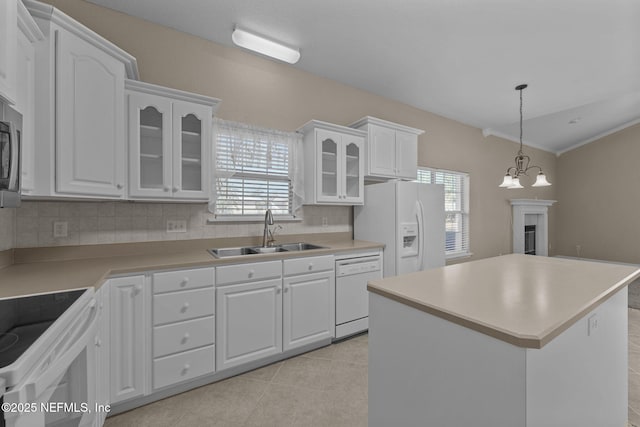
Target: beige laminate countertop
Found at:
x=62, y=274
x=521, y=299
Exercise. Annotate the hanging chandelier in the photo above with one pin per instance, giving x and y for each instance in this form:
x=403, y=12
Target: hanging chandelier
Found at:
x=512, y=177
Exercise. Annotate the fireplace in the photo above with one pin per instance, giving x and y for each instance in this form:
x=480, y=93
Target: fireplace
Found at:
x=530, y=239
x=530, y=226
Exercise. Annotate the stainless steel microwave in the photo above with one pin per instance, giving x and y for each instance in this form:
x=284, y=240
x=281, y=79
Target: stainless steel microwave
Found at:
x=10, y=134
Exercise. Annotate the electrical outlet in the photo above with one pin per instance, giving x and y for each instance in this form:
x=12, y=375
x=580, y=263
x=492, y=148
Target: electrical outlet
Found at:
x=325, y=221
x=592, y=324
x=60, y=228
x=176, y=226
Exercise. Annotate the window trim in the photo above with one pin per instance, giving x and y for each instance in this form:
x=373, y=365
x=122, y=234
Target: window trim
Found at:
x=464, y=253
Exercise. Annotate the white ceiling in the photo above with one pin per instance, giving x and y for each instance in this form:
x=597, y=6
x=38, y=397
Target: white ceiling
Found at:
x=457, y=58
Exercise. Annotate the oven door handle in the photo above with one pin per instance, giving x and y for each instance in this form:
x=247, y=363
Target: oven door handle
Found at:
x=60, y=365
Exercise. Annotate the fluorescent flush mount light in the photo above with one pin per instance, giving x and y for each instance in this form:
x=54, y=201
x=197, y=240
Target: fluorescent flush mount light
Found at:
x=265, y=46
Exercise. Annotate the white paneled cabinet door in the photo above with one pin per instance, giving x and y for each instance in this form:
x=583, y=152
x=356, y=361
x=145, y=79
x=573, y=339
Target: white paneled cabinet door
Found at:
x=127, y=337
x=102, y=354
x=150, y=172
x=309, y=309
x=191, y=140
x=25, y=104
x=249, y=323
x=8, y=34
x=407, y=155
x=382, y=151
x=328, y=155
x=90, y=136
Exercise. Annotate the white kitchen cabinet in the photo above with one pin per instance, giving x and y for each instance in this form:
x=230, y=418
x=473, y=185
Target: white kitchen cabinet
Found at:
x=129, y=330
x=28, y=34
x=183, y=319
x=391, y=149
x=249, y=311
x=102, y=354
x=80, y=109
x=169, y=142
x=308, y=301
x=333, y=164
x=8, y=44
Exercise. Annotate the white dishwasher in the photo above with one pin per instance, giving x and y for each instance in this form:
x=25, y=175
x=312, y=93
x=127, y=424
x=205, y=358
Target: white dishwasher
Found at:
x=353, y=271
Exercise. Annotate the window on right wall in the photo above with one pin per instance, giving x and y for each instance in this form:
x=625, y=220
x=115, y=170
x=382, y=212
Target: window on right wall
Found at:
x=456, y=205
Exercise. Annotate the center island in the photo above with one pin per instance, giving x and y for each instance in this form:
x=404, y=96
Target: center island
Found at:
x=510, y=341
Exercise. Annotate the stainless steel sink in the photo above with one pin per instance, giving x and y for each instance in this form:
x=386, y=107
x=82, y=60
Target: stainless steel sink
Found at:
x=253, y=250
x=267, y=250
x=300, y=246
x=225, y=252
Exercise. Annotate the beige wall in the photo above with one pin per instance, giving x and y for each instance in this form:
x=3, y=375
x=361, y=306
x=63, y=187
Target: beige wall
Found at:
x=599, y=193
x=7, y=235
x=271, y=94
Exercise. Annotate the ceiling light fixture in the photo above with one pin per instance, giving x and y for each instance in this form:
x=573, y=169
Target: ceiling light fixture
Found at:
x=512, y=177
x=265, y=46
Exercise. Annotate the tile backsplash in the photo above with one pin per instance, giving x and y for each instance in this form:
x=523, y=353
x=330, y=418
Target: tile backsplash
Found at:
x=118, y=222
x=7, y=229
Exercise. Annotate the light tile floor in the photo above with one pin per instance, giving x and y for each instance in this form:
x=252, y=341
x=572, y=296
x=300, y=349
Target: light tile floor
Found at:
x=326, y=387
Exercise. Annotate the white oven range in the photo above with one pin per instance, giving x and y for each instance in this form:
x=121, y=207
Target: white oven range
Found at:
x=47, y=359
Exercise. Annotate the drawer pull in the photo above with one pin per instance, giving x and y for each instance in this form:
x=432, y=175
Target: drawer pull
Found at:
x=184, y=282
x=185, y=338
x=98, y=342
x=310, y=266
x=185, y=307
x=251, y=273
x=286, y=289
x=186, y=368
x=278, y=290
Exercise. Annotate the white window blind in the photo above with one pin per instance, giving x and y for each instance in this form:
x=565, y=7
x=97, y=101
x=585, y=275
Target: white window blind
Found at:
x=253, y=171
x=456, y=205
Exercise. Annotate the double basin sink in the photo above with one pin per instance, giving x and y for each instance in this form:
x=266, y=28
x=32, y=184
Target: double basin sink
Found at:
x=253, y=250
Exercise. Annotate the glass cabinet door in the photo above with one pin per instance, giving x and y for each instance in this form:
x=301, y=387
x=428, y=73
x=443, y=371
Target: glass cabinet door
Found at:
x=353, y=173
x=149, y=145
x=191, y=132
x=151, y=155
x=328, y=181
x=191, y=153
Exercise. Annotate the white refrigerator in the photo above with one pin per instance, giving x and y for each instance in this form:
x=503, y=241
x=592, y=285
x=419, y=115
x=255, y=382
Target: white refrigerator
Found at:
x=409, y=218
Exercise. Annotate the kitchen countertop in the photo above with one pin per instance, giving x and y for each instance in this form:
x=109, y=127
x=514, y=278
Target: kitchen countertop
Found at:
x=521, y=299
x=52, y=273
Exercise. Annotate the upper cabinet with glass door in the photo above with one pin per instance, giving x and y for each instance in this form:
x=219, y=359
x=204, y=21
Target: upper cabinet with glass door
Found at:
x=169, y=142
x=333, y=164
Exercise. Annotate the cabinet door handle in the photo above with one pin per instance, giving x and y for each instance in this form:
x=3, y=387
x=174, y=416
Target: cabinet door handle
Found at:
x=119, y=186
x=251, y=273
x=187, y=336
x=278, y=290
x=286, y=289
x=165, y=189
x=98, y=342
x=187, y=366
x=184, y=282
x=185, y=307
x=310, y=267
x=175, y=189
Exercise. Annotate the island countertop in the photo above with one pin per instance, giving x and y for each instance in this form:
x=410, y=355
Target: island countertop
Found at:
x=521, y=299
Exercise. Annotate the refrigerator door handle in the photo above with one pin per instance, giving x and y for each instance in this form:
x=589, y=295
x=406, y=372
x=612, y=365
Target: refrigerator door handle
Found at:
x=420, y=215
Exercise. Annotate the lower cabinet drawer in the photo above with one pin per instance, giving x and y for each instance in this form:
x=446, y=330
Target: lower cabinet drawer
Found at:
x=183, y=366
x=178, y=306
x=183, y=336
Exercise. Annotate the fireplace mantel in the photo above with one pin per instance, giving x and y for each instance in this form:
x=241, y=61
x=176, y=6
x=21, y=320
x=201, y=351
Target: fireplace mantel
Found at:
x=531, y=210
